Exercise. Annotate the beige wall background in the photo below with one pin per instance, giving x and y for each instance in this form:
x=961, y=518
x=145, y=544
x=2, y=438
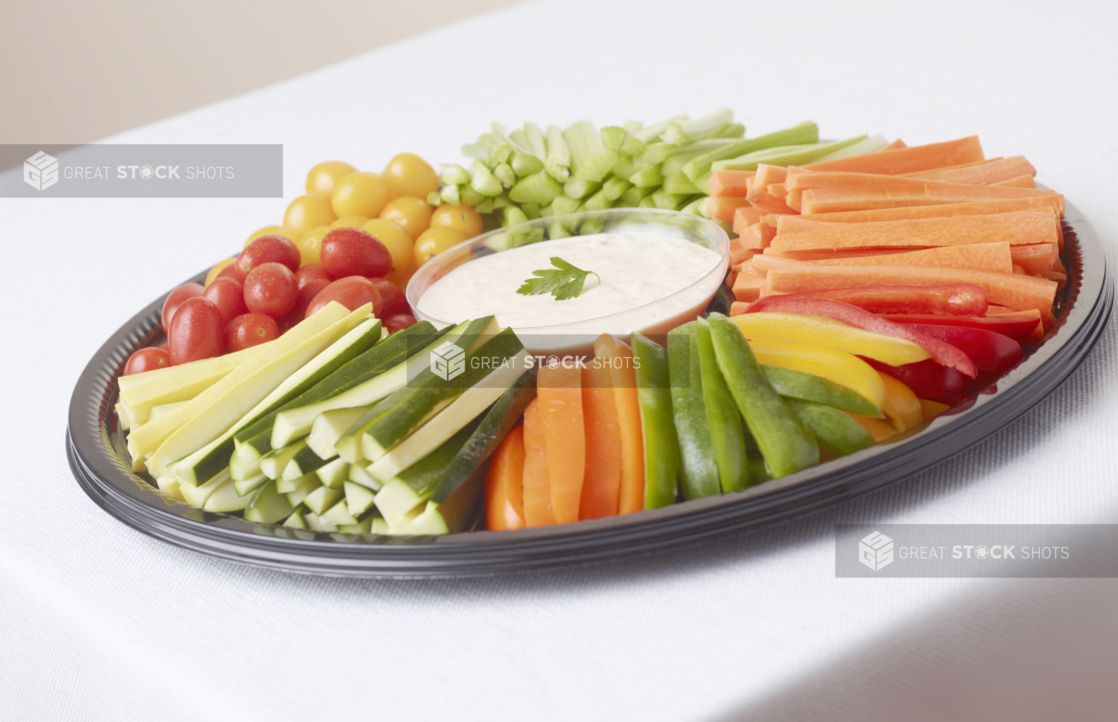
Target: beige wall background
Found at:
x=74, y=71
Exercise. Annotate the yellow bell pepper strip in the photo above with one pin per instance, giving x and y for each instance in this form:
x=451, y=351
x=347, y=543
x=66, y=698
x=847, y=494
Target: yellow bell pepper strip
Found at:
x=845, y=369
x=879, y=430
x=823, y=331
x=786, y=442
x=932, y=409
x=902, y=408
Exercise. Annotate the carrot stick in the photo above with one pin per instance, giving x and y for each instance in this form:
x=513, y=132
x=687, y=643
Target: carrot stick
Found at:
x=560, y=397
x=504, y=484
x=723, y=208
x=907, y=160
x=769, y=174
x=745, y=216
x=739, y=253
x=729, y=183
x=979, y=256
x=928, y=193
x=624, y=381
x=751, y=237
x=738, y=307
x=1021, y=227
x=800, y=180
x=982, y=173
x=1035, y=259
x=950, y=167
x=1021, y=181
x=747, y=286
x=979, y=208
x=896, y=144
x=1003, y=289
x=778, y=190
x=602, y=478
x=537, y=485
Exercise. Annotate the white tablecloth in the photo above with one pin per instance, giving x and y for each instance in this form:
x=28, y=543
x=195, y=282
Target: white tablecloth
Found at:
x=98, y=621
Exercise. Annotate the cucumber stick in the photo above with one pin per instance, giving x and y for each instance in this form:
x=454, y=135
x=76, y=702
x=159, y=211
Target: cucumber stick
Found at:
x=256, y=439
x=310, y=482
x=786, y=443
x=268, y=506
x=225, y=498
x=210, y=459
x=358, y=498
x=306, y=461
x=661, y=449
x=333, y=473
x=294, y=423
x=418, y=403
x=274, y=462
x=836, y=432
x=698, y=466
x=330, y=426
x=727, y=429
x=415, y=484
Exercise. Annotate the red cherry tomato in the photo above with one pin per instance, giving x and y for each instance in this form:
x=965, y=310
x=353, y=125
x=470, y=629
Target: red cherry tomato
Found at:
x=395, y=303
x=399, y=322
x=311, y=271
x=228, y=294
x=250, y=329
x=175, y=299
x=230, y=271
x=270, y=289
x=353, y=292
x=165, y=346
x=353, y=252
x=267, y=249
x=196, y=331
x=147, y=359
x=307, y=292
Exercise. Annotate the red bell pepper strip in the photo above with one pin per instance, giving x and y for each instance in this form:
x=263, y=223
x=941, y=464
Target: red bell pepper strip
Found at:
x=941, y=352
x=988, y=350
x=926, y=378
x=1018, y=326
x=957, y=299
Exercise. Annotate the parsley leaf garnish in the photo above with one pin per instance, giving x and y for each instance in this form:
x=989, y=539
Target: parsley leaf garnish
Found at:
x=563, y=282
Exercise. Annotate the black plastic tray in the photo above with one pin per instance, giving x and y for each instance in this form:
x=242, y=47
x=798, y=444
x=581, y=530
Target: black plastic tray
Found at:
x=95, y=448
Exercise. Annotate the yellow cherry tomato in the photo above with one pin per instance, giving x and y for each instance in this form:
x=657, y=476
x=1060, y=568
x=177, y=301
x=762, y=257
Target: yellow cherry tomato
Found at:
x=307, y=213
x=350, y=222
x=396, y=240
x=434, y=241
x=413, y=214
x=265, y=231
x=410, y=175
x=217, y=269
x=463, y=219
x=400, y=279
x=323, y=176
x=310, y=245
x=360, y=194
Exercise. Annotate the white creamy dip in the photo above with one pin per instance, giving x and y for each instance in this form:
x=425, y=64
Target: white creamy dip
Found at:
x=635, y=271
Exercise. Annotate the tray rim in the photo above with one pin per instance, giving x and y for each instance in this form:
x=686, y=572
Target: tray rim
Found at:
x=106, y=478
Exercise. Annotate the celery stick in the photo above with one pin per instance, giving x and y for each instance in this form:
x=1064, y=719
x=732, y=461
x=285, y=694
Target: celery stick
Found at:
x=483, y=181
x=788, y=155
x=650, y=133
x=597, y=202
x=688, y=131
x=558, y=161
x=678, y=157
x=653, y=154
x=613, y=137
x=536, y=188
x=697, y=207
x=647, y=177
x=524, y=164
x=635, y=195
x=579, y=188
x=453, y=175
x=520, y=140
x=624, y=167
x=532, y=210
x=590, y=159
x=733, y=130
x=501, y=201
x=505, y=174
x=484, y=206
x=434, y=198
x=483, y=149
x=632, y=126
x=556, y=230
x=614, y=187
x=450, y=195
x=469, y=196
x=806, y=132
x=513, y=216
x=547, y=211
x=536, y=142
x=869, y=145
x=680, y=184
x=564, y=205
x=589, y=228
x=632, y=146
x=667, y=201
x=647, y=202
x=499, y=131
